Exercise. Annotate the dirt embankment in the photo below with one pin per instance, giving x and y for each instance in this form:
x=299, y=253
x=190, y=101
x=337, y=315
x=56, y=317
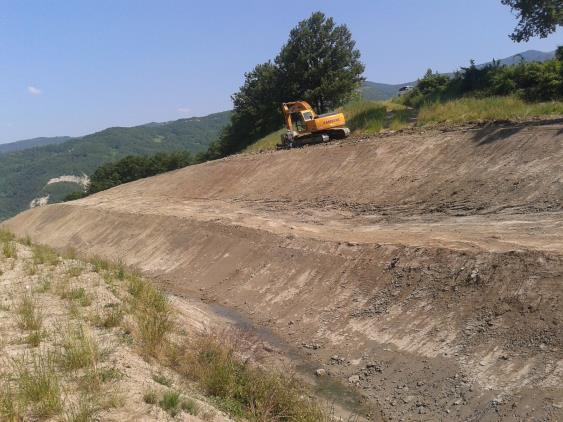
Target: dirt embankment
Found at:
x=426, y=269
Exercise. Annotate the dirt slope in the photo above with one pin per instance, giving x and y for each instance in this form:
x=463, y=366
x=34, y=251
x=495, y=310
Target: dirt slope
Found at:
x=424, y=268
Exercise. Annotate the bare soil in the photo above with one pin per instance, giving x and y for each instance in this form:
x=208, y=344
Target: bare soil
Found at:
x=423, y=269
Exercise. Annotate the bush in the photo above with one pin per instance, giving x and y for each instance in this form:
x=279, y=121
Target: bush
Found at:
x=531, y=81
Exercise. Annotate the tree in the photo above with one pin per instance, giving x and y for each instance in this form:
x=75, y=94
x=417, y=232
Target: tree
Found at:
x=320, y=63
x=537, y=17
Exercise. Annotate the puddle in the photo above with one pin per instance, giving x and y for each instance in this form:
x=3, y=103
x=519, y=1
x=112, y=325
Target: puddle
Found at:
x=327, y=388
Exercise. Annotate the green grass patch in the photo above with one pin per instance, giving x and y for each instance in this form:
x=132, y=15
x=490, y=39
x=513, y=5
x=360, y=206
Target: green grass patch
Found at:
x=470, y=109
x=44, y=255
x=6, y=236
x=9, y=249
x=78, y=295
x=38, y=384
x=244, y=390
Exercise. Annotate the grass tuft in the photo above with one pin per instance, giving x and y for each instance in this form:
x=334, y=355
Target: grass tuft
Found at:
x=110, y=317
x=162, y=380
x=78, y=349
x=44, y=255
x=152, y=314
x=29, y=317
x=85, y=410
x=9, y=249
x=78, y=295
x=150, y=397
x=38, y=384
x=6, y=236
x=170, y=402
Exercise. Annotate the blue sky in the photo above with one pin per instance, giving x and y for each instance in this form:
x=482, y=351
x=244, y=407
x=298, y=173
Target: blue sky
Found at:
x=74, y=67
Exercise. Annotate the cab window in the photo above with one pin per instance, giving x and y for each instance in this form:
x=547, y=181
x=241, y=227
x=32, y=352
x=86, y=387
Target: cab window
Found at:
x=307, y=115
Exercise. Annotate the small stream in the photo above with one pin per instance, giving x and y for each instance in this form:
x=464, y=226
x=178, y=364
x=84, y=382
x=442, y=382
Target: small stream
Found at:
x=328, y=388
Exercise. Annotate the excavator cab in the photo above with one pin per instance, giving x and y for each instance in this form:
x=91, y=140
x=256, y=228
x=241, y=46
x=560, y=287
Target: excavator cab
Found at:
x=304, y=126
x=298, y=122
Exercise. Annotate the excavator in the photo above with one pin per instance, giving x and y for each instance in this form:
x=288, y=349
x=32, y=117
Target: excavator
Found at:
x=305, y=127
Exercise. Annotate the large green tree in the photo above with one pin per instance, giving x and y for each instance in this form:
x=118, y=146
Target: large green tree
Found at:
x=320, y=63
x=536, y=17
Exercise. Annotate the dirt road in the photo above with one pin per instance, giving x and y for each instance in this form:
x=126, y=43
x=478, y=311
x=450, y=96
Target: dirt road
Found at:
x=425, y=269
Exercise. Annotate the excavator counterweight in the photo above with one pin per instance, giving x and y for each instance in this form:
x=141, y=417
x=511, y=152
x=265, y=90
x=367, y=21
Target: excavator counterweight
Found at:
x=305, y=127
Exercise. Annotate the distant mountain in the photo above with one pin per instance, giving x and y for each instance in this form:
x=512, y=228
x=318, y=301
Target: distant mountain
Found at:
x=32, y=143
x=43, y=172
x=375, y=91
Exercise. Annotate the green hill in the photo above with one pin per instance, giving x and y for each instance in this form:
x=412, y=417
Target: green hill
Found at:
x=32, y=143
x=24, y=174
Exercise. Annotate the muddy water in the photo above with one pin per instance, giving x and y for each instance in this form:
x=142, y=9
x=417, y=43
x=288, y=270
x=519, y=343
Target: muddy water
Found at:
x=345, y=400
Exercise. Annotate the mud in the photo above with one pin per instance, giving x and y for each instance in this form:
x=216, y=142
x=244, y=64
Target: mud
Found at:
x=423, y=269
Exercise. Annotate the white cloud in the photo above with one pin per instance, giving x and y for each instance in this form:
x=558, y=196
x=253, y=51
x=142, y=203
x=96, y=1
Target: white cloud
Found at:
x=34, y=90
x=184, y=110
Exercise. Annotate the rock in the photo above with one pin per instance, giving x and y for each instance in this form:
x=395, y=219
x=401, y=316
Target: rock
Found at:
x=458, y=402
x=320, y=372
x=354, y=379
x=268, y=348
x=408, y=399
x=420, y=383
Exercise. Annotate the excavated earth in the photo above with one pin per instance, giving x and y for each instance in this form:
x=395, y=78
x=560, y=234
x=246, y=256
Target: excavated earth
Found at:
x=423, y=269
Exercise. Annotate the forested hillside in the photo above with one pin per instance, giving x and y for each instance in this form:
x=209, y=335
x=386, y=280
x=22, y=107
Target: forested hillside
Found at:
x=24, y=175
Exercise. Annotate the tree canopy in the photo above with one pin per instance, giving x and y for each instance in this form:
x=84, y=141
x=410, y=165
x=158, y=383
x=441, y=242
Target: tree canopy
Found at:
x=536, y=17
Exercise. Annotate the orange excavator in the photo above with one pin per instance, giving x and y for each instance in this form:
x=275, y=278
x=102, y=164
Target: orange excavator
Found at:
x=305, y=127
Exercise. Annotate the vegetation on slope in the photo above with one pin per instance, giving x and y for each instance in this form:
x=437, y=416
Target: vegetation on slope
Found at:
x=82, y=337
x=24, y=174
x=473, y=94
x=133, y=168
x=470, y=109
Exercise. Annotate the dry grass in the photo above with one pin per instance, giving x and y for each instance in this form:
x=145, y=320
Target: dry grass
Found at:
x=486, y=109
x=152, y=314
x=109, y=317
x=78, y=348
x=29, y=316
x=9, y=249
x=44, y=255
